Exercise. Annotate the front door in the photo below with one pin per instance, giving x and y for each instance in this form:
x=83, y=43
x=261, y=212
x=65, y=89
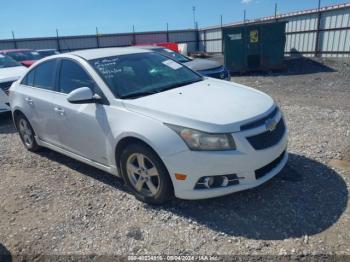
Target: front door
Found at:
x=83, y=128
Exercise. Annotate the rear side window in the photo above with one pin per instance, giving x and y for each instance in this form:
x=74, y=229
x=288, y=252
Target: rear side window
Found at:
x=45, y=75
x=73, y=76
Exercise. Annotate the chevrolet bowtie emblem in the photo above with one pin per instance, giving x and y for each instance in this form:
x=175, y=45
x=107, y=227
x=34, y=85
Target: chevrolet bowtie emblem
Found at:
x=270, y=124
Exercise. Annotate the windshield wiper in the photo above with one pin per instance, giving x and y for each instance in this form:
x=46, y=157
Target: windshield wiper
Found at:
x=181, y=84
x=148, y=93
x=139, y=94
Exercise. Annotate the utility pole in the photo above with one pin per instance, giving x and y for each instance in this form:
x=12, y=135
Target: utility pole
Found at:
x=194, y=16
x=244, y=15
x=14, y=39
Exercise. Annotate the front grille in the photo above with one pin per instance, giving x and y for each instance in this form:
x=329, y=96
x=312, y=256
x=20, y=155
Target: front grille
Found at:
x=268, y=138
x=5, y=86
x=259, y=173
x=260, y=121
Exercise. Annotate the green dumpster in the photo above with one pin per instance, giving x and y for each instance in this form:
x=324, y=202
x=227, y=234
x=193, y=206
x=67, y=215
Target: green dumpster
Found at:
x=254, y=47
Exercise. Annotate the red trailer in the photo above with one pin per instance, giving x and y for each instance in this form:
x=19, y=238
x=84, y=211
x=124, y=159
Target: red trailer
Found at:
x=169, y=45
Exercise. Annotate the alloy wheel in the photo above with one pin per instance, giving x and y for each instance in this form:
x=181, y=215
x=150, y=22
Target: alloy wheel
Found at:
x=143, y=174
x=26, y=132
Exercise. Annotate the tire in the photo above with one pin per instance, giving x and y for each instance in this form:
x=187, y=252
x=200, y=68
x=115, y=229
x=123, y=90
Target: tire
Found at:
x=26, y=133
x=146, y=175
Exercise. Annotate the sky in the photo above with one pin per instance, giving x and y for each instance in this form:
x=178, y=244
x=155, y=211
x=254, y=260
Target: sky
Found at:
x=36, y=18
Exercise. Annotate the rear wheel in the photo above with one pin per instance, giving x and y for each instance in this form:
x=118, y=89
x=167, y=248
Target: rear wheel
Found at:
x=26, y=133
x=146, y=175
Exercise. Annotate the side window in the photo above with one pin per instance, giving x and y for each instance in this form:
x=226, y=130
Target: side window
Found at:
x=73, y=76
x=29, y=78
x=45, y=75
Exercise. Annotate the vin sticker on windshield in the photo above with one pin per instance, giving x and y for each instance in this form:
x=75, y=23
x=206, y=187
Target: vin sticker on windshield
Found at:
x=172, y=64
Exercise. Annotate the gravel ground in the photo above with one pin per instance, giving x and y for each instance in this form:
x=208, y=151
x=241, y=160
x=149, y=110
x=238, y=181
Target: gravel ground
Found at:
x=51, y=204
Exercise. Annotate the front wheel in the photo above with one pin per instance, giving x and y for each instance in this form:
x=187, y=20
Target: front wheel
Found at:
x=26, y=133
x=146, y=175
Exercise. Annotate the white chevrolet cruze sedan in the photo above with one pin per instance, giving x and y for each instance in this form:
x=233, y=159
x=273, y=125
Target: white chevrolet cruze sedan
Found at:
x=159, y=125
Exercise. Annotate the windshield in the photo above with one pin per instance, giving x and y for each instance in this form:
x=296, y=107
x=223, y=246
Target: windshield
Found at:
x=24, y=55
x=136, y=75
x=6, y=61
x=174, y=55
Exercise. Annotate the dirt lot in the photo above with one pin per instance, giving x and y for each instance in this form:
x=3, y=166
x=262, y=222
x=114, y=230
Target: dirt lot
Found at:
x=50, y=204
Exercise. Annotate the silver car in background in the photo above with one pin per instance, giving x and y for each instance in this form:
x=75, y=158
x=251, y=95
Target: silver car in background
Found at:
x=205, y=67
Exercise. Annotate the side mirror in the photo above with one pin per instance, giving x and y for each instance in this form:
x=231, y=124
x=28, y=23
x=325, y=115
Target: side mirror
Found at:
x=82, y=95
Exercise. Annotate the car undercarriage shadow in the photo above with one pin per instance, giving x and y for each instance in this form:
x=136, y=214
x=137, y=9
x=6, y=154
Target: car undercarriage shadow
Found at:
x=306, y=198
x=84, y=169
x=5, y=254
x=6, y=124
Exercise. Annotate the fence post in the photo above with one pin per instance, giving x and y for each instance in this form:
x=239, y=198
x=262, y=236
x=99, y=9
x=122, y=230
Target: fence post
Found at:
x=205, y=40
x=58, y=41
x=222, y=35
x=97, y=38
x=318, y=32
x=197, y=37
x=276, y=8
x=133, y=35
x=167, y=32
x=14, y=40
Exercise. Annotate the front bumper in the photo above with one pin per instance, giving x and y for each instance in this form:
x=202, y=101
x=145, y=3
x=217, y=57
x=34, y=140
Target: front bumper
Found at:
x=246, y=162
x=4, y=102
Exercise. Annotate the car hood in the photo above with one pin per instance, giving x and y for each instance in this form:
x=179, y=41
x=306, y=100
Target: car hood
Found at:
x=11, y=73
x=211, y=105
x=202, y=64
x=28, y=63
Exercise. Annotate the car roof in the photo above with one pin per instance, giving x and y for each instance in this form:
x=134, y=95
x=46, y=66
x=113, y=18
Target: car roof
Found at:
x=14, y=50
x=48, y=49
x=90, y=54
x=151, y=47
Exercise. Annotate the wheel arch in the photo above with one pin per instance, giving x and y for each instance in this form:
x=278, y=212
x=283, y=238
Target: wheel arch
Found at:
x=128, y=140
x=124, y=142
x=16, y=113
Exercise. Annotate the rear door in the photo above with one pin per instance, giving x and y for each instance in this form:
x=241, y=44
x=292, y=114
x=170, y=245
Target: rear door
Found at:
x=38, y=94
x=83, y=128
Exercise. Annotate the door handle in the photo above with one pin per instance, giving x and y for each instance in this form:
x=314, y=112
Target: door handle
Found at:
x=29, y=100
x=60, y=111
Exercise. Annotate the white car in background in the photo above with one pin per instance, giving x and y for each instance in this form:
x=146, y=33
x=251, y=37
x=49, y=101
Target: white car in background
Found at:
x=163, y=128
x=10, y=71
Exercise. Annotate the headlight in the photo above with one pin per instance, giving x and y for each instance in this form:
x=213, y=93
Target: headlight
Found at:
x=201, y=141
